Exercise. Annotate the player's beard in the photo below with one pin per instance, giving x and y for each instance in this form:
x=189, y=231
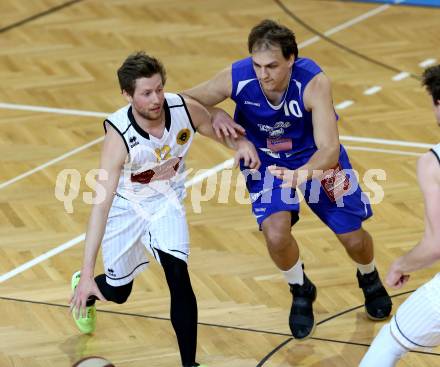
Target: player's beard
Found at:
x=149, y=115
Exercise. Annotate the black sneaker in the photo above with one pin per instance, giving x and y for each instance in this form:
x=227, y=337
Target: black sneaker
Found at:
x=301, y=319
x=377, y=301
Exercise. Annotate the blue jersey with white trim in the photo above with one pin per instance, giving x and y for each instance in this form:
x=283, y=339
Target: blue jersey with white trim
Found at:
x=282, y=131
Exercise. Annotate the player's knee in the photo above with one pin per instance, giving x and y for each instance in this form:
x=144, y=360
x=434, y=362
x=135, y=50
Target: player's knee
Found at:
x=278, y=242
x=354, y=243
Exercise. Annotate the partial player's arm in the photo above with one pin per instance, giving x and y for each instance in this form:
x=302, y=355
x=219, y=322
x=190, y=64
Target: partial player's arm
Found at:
x=212, y=92
x=427, y=251
x=318, y=100
x=202, y=120
x=113, y=157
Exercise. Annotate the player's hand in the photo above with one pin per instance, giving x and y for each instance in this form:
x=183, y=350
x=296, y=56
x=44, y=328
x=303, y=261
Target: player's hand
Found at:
x=85, y=288
x=395, y=278
x=224, y=125
x=246, y=151
x=289, y=177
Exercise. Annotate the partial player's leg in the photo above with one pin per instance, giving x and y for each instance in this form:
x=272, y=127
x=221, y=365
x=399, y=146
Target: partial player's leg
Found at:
x=415, y=326
x=87, y=324
x=183, y=306
x=283, y=248
x=385, y=351
x=123, y=256
x=284, y=252
x=276, y=211
x=168, y=240
x=340, y=203
x=359, y=246
x=416, y=323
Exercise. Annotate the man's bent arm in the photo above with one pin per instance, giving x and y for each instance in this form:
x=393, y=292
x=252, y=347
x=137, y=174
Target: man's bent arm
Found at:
x=427, y=251
x=212, y=91
x=318, y=99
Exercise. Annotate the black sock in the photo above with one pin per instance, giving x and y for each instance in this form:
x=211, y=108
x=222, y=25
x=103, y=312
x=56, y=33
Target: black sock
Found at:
x=183, y=306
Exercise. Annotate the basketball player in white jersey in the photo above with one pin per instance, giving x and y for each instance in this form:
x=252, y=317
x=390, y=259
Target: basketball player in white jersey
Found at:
x=142, y=164
x=416, y=324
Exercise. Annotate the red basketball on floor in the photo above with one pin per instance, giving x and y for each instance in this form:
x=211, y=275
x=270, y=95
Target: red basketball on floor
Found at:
x=93, y=361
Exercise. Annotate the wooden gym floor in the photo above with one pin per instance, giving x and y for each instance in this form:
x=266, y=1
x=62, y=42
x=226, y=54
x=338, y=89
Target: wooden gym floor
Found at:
x=58, y=59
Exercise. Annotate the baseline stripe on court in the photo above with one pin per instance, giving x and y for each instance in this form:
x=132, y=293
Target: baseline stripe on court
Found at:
x=399, y=143
x=51, y=162
x=345, y=25
x=61, y=111
x=387, y=151
x=43, y=257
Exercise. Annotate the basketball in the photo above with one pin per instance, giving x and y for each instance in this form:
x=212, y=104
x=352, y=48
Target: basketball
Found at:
x=93, y=362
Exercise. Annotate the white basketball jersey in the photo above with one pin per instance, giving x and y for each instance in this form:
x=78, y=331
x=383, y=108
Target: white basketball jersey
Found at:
x=436, y=150
x=155, y=166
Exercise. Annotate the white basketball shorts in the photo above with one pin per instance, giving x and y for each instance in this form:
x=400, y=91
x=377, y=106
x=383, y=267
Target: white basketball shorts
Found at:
x=416, y=324
x=131, y=228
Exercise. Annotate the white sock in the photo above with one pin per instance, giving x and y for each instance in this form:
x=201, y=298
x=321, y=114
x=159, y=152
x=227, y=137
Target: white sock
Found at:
x=295, y=274
x=367, y=268
x=384, y=351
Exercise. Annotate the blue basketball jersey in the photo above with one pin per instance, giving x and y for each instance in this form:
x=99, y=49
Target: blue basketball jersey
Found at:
x=281, y=131
x=283, y=135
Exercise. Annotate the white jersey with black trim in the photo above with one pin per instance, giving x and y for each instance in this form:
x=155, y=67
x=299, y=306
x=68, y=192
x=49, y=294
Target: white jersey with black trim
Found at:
x=436, y=150
x=155, y=167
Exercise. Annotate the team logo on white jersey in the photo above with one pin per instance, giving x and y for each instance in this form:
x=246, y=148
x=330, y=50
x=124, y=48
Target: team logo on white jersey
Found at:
x=162, y=153
x=133, y=141
x=183, y=136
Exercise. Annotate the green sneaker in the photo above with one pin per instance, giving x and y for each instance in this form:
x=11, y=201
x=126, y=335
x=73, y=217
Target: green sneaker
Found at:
x=85, y=324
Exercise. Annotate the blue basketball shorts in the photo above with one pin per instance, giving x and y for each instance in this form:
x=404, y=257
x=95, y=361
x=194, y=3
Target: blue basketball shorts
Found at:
x=336, y=197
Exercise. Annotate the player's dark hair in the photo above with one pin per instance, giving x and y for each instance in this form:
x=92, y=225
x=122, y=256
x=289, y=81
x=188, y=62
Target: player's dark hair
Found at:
x=139, y=65
x=431, y=80
x=268, y=33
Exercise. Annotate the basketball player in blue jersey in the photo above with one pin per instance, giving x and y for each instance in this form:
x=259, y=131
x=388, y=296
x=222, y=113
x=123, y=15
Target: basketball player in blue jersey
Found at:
x=284, y=106
x=416, y=324
x=142, y=160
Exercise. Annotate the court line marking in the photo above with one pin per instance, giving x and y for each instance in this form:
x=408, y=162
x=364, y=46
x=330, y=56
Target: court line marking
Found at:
x=400, y=143
x=427, y=62
x=50, y=163
x=400, y=76
x=61, y=111
x=38, y=15
x=387, y=151
x=345, y=25
x=372, y=90
x=344, y=104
